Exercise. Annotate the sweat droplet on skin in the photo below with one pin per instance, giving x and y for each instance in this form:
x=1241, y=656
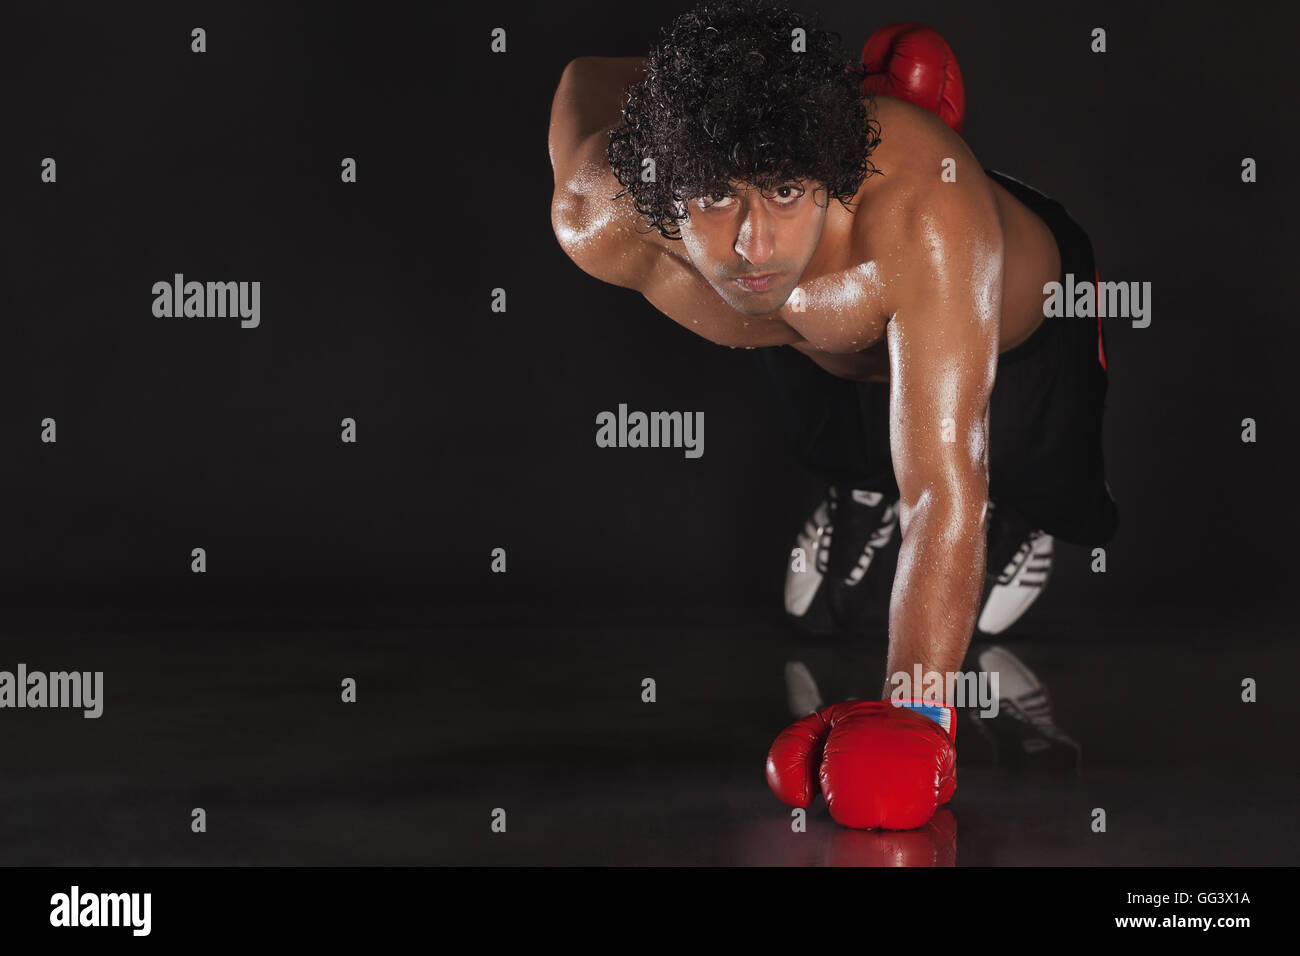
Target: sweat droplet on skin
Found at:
x=586, y=220
x=844, y=292
x=844, y=305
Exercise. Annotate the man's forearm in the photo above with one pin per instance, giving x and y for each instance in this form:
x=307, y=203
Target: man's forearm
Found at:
x=937, y=590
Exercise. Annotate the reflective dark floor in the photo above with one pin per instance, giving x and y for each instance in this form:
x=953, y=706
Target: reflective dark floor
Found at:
x=453, y=722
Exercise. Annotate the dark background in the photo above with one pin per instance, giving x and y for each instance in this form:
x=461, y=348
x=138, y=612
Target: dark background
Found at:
x=476, y=428
x=477, y=431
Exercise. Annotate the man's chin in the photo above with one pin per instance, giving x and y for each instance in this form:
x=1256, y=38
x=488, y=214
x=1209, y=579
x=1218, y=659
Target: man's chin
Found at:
x=756, y=304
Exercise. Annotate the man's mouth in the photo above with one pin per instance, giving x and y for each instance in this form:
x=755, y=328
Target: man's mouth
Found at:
x=756, y=282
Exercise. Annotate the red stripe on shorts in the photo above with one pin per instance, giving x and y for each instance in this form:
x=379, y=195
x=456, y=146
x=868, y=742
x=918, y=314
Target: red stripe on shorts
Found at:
x=1101, y=347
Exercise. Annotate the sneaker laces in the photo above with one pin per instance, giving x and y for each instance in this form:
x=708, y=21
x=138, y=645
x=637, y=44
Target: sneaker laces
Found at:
x=860, y=522
x=1010, y=541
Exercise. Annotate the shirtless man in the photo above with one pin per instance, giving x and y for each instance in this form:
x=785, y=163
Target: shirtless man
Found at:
x=741, y=183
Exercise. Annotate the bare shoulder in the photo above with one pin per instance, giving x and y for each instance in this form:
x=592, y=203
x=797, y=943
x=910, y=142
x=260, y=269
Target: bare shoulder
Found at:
x=601, y=233
x=588, y=100
x=932, y=208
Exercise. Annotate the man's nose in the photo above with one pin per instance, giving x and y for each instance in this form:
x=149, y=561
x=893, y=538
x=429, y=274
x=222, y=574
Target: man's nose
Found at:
x=754, y=240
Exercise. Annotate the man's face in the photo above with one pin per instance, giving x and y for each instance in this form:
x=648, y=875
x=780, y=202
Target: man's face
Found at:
x=753, y=246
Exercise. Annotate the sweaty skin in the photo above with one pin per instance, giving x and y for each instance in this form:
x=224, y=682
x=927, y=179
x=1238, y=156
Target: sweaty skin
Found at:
x=923, y=284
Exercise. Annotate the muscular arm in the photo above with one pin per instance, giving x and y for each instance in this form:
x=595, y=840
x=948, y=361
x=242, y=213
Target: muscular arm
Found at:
x=597, y=234
x=943, y=345
x=588, y=101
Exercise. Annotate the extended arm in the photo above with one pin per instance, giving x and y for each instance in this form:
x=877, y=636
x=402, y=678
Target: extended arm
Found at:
x=943, y=346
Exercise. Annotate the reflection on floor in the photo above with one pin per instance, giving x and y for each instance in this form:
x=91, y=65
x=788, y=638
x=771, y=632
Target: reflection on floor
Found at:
x=454, y=722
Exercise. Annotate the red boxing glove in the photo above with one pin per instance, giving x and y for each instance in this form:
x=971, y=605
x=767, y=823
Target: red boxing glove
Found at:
x=879, y=764
x=912, y=62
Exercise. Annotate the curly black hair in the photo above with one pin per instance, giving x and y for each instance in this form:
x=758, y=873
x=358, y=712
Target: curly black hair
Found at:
x=727, y=97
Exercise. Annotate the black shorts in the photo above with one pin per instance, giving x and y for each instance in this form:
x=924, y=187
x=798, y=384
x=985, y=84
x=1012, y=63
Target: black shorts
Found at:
x=1045, y=414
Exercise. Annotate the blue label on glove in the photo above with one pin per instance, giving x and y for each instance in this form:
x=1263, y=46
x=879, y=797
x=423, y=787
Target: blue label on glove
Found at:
x=940, y=714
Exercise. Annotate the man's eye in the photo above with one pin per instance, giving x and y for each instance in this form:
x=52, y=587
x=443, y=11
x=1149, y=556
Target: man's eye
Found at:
x=715, y=199
x=786, y=194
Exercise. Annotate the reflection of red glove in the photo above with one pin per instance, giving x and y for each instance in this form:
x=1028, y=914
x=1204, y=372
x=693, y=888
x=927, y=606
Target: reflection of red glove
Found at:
x=879, y=765
x=934, y=844
x=912, y=62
